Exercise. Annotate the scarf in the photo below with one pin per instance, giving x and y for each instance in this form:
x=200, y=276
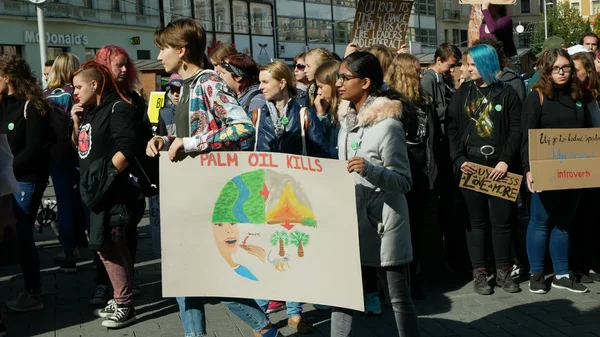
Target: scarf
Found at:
x=276, y=119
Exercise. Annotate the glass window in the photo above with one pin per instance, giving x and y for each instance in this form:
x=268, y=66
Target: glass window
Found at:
x=576, y=5
x=90, y=53
x=347, y=3
x=427, y=7
x=202, y=12
x=290, y=29
x=318, y=31
x=143, y=54
x=525, y=6
x=595, y=7
x=115, y=5
x=180, y=9
x=224, y=38
x=459, y=37
x=53, y=52
x=10, y=50
x=343, y=32
x=139, y=7
x=240, y=17
x=328, y=2
x=222, y=16
x=427, y=37
x=261, y=18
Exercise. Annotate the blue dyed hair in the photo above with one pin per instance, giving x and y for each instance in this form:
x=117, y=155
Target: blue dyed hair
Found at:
x=486, y=61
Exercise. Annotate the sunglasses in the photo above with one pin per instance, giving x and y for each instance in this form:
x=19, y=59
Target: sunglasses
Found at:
x=300, y=66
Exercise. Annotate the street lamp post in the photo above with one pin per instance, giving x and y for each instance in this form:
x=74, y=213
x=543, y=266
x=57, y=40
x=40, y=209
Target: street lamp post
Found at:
x=42, y=34
x=546, y=18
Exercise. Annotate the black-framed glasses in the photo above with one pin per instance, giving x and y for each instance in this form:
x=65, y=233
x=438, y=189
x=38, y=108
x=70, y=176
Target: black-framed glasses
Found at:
x=300, y=66
x=565, y=69
x=345, y=78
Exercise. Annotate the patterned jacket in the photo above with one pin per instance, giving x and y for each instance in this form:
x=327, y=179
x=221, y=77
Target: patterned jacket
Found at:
x=217, y=121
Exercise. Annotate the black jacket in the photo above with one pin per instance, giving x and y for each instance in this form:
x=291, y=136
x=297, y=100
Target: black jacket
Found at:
x=560, y=112
x=27, y=137
x=507, y=124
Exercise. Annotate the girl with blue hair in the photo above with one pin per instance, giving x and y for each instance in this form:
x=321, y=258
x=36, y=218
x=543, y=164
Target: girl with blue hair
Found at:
x=485, y=128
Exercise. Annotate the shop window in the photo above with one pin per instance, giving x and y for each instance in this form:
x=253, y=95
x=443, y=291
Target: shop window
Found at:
x=143, y=54
x=222, y=16
x=240, y=17
x=203, y=11
x=343, y=32
x=261, y=18
x=115, y=5
x=290, y=29
x=318, y=31
x=10, y=50
x=53, y=52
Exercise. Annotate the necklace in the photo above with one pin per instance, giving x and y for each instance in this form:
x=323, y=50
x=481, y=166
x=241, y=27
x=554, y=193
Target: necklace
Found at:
x=485, y=100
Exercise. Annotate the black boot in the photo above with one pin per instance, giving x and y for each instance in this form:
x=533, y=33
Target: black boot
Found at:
x=480, y=282
x=505, y=281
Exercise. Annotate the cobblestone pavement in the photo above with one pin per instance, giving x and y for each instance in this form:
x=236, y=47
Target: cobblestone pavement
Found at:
x=450, y=307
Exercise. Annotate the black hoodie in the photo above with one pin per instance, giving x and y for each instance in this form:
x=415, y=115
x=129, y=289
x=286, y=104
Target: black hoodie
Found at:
x=505, y=115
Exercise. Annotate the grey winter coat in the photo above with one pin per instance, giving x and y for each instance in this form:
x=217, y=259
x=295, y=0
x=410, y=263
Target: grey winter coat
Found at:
x=379, y=138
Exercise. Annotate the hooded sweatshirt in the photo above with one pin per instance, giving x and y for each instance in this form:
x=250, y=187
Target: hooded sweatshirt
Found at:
x=433, y=84
x=512, y=78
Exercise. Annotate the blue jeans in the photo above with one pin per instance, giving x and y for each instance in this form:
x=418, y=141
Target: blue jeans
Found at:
x=293, y=308
x=65, y=180
x=194, y=321
x=25, y=208
x=551, y=212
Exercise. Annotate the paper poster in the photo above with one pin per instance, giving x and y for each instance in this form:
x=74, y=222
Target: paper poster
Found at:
x=480, y=181
x=260, y=225
x=563, y=159
x=381, y=22
x=495, y=2
x=157, y=101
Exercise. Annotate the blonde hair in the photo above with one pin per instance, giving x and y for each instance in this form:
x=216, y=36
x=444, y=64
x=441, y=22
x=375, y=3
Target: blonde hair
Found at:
x=280, y=71
x=221, y=51
x=383, y=54
x=319, y=55
x=182, y=33
x=62, y=70
x=402, y=76
x=327, y=74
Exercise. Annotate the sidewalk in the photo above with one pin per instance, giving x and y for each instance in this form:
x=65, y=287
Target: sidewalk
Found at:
x=449, y=309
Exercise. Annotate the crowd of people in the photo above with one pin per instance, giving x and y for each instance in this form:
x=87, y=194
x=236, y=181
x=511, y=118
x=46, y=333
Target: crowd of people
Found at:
x=407, y=134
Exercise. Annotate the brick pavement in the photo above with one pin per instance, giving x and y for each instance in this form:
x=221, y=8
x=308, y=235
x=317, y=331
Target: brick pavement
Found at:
x=449, y=309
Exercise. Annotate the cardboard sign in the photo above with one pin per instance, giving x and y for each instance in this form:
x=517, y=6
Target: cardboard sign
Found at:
x=480, y=181
x=495, y=2
x=563, y=159
x=260, y=225
x=381, y=22
x=157, y=101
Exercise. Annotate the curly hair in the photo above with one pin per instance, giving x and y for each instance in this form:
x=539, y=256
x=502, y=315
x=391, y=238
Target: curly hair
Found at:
x=105, y=57
x=593, y=80
x=25, y=84
x=402, y=76
x=546, y=84
x=96, y=71
x=327, y=74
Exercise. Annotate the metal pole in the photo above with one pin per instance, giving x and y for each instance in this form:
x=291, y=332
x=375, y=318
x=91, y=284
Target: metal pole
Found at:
x=42, y=39
x=545, y=20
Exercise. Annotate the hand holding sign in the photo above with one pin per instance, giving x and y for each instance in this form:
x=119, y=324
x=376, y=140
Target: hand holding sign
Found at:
x=478, y=178
x=499, y=171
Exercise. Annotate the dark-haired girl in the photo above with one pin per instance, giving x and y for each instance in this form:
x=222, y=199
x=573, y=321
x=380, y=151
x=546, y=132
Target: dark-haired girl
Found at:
x=554, y=103
x=372, y=139
x=23, y=118
x=485, y=128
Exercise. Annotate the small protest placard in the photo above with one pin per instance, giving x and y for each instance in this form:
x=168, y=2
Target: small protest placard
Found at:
x=563, y=159
x=381, y=22
x=480, y=181
x=157, y=101
x=495, y=2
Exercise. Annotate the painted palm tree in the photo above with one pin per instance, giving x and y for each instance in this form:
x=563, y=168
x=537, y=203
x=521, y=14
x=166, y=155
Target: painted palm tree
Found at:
x=281, y=238
x=299, y=239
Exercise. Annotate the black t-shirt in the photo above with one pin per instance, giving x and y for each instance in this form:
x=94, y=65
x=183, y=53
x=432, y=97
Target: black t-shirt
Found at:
x=484, y=116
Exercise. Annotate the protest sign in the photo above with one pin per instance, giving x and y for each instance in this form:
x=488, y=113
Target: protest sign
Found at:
x=563, y=159
x=381, y=22
x=495, y=2
x=480, y=181
x=260, y=225
x=157, y=101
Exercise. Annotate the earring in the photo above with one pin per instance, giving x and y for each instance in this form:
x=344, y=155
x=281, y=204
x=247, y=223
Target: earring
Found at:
x=94, y=89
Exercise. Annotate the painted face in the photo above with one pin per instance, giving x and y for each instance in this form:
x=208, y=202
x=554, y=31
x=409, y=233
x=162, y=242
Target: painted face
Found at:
x=472, y=69
x=582, y=73
x=270, y=87
x=310, y=68
x=590, y=43
x=299, y=70
x=169, y=58
x=448, y=66
x=226, y=235
x=325, y=90
x=84, y=90
x=348, y=85
x=561, y=71
x=118, y=67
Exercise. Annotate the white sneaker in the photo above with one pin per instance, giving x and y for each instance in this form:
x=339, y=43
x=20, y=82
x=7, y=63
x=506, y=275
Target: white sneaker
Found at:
x=108, y=310
x=123, y=316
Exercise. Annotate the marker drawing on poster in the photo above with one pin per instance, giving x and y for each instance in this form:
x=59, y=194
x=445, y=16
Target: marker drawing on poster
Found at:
x=260, y=225
x=480, y=181
x=381, y=22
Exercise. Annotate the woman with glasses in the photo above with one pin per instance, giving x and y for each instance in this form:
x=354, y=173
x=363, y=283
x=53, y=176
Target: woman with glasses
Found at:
x=372, y=139
x=299, y=73
x=554, y=103
x=485, y=128
x=405, y=75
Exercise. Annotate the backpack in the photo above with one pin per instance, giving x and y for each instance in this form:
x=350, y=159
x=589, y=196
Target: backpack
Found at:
x=59, y=118
x=246, y=106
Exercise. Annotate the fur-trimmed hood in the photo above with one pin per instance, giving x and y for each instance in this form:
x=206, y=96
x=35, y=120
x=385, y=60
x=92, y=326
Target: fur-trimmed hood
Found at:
x=379, y=109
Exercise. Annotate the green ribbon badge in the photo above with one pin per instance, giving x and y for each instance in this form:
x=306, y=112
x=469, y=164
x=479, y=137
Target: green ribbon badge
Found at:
x=578, y=104
x=498, y=107
x=284, y=120
x=11, y=126
x=354, y=145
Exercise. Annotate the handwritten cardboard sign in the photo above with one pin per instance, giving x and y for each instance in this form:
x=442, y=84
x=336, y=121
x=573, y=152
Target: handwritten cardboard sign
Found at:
x=381, y=22
x=495, y=2
x=480, y=181
x=260, y=225
x=157, y=101
x=562, y=159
